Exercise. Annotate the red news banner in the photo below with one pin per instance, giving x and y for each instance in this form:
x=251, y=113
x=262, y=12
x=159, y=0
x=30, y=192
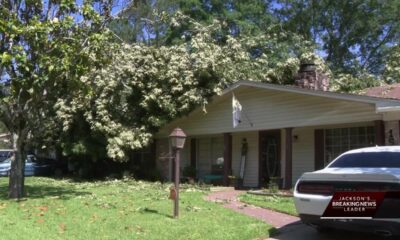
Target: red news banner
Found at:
x=363, y=205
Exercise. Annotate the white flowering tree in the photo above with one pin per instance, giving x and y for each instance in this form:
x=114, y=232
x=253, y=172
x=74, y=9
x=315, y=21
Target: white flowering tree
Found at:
x=146, y=86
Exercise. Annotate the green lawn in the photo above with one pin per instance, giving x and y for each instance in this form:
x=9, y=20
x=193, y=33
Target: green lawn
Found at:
x=279, y=204
x=62, y=209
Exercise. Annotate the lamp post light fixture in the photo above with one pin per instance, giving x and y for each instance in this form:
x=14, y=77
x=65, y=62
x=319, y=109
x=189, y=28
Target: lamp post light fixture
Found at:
x=177, y=139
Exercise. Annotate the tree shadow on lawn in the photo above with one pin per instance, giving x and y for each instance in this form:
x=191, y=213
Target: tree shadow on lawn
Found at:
x=152, y=211
x=44, y=191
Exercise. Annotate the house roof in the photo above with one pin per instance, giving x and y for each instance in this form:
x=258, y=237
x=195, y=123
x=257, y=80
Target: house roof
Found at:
x=383, y=104
x=388, y=91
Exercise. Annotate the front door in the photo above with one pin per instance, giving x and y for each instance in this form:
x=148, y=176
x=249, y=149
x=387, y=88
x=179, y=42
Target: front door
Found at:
x=270, y=156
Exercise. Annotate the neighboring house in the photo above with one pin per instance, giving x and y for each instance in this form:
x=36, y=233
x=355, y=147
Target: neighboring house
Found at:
x=289, y=129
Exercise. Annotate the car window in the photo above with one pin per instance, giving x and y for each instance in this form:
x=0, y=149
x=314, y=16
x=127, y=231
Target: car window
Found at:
x=368, y=160
x=4, y=154
x=30, y=158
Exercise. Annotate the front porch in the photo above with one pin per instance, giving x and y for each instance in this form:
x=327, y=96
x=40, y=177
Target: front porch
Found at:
x=272, y=154
x=288, y=130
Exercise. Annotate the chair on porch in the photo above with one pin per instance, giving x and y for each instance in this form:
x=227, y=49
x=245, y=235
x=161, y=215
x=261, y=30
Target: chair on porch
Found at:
x=217, y=175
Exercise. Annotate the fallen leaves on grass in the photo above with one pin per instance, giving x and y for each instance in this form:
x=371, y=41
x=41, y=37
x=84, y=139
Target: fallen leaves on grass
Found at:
x=93, y=218
x=40, y=220
x=61, y=210
x=62, y=227
x=139, y=229
x=43, y=208
x=193, y=209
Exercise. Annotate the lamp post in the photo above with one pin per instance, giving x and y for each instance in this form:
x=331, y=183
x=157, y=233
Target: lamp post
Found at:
x=177, y=140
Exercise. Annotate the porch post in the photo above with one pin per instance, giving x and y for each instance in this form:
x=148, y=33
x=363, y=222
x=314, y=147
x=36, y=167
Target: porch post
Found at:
x=379, y=133
x=227, y=157
x=288, y=156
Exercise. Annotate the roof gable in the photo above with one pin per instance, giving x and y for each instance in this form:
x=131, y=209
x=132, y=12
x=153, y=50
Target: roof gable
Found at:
x=271, y=106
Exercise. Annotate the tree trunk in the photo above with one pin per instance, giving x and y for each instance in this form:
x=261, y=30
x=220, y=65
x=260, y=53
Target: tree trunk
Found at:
x=16, y=181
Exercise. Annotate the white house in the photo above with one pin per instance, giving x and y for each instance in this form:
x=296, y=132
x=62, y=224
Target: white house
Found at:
x=289, y=130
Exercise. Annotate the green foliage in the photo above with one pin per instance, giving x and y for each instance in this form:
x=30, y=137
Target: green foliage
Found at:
x=391, y=73
x=273, y=185
x=241, y=17
x=356, y=38
x=45, y=52
x=142, y=21
x=115, y=209
x=354, y=35
x=144, y=87
x=3, y=128
x=46, y=48
x=348, y=83
x=79, y=141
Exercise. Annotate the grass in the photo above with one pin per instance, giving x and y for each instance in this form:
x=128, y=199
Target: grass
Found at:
x=62, y=209
x=279, y=204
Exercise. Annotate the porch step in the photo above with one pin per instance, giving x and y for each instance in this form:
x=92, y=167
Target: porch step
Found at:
x=221, y=189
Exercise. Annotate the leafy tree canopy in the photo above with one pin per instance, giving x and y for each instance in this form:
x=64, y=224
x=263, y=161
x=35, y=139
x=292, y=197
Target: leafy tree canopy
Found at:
x=146, y=86
x=392, y=67
x=45, y=46
x=138, y=23
x=355, y=36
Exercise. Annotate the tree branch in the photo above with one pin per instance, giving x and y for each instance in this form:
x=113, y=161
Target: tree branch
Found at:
x=382, y=42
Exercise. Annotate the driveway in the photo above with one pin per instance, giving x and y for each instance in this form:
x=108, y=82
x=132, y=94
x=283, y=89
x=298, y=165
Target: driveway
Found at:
x=289, y=227
x=298, y=231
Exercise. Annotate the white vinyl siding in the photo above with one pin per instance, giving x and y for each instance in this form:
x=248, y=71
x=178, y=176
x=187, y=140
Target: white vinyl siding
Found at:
x=251, y=167
x=303, y=152
x=265, y=109
x=269, y=109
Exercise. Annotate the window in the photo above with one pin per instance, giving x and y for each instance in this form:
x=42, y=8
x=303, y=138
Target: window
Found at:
x=217, y=151
x=368, y=160
x=340, y=140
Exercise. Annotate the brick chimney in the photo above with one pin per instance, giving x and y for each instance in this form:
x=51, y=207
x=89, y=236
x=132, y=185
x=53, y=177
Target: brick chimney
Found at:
x=309, y=77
